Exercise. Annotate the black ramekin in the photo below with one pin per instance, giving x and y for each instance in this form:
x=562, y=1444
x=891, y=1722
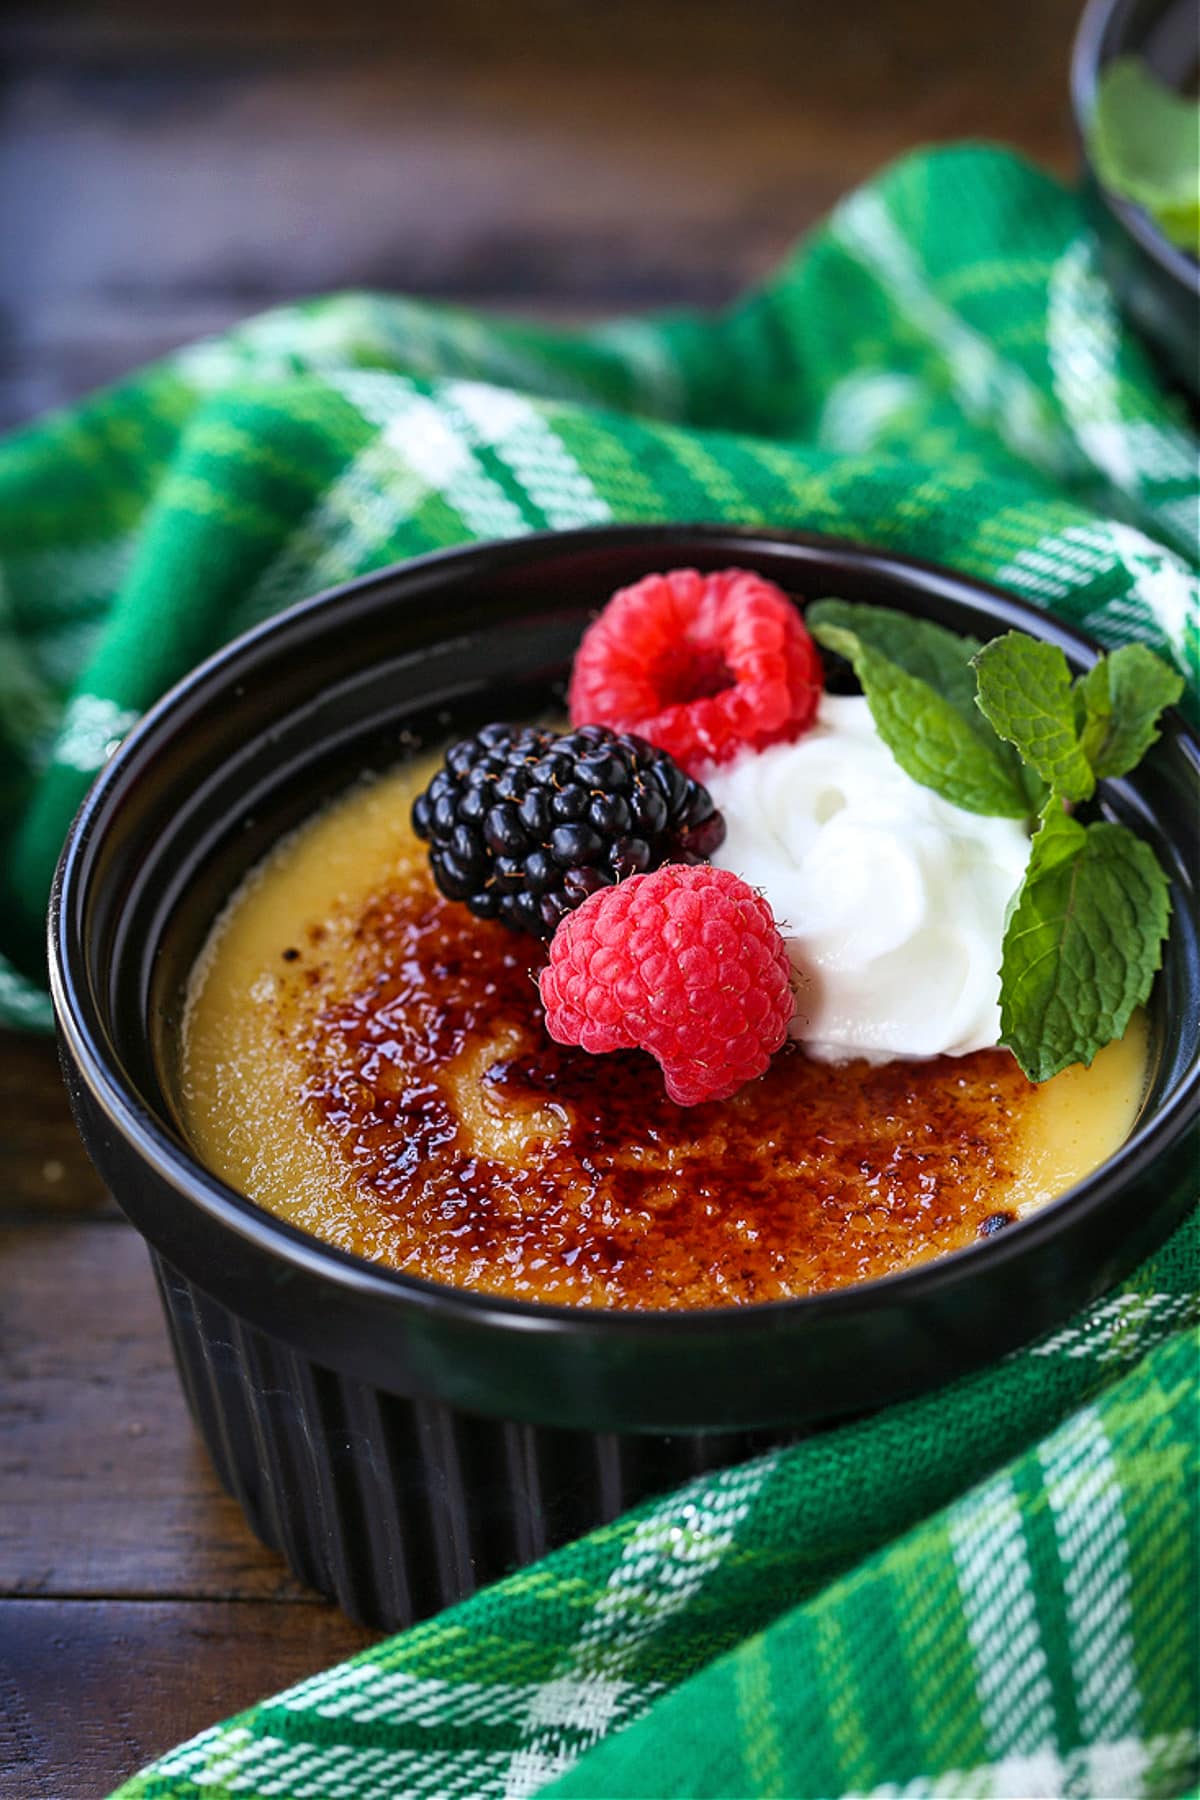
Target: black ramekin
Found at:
x=1156, y=282
x=399, y=1441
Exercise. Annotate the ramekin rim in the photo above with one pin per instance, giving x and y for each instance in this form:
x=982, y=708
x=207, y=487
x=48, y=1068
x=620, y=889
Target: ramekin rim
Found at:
x=171, y=1160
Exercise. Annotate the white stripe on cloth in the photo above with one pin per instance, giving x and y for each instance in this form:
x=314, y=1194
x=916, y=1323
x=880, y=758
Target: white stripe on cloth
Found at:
x=419, y=434
x=238, y=1761
x=274, y=1766
x=369, y=1693
x=1083, y=337
x=363, y=510
x=1094, y=1772
x=1084, y=1495
x=1118, y=1329
x=991, y=390
x=1163, y=593
x=669, y=1556
x=862, y=406
x=92, y=729
x=439, y=434
x=20, y=1002
x=339, y=335
x=995, y=1581
x=426, y=445
x=343, y=534
x=516, y=431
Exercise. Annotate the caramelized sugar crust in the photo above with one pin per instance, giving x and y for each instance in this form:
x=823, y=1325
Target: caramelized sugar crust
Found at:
x=485, y=1155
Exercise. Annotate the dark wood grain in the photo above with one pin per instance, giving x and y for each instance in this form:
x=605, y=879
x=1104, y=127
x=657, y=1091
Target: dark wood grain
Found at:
x=104, y=1488
x=546, y=155
x=89, y=1691
x=165, y=170
x=43, y=1168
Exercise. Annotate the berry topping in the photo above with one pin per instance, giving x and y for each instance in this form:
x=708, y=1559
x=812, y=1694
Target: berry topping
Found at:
x=686, y=963
x=523, y=824
x=700, y=665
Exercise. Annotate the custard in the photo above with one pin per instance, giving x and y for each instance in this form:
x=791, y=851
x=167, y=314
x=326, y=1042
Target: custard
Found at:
x=368, y=1060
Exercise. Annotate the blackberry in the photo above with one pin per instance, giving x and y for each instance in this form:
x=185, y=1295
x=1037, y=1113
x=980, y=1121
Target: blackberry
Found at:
x=523, y=824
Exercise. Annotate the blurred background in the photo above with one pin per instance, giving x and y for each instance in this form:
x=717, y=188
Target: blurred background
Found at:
x=168, y=167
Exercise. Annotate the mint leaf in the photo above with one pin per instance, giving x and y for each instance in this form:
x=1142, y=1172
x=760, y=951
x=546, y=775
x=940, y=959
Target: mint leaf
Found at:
x=934, y=655
x=917, y=646
x=1120, y=700
x=926, y=733
x=1082, y=943
x=1145, y=142
x=1025, y=691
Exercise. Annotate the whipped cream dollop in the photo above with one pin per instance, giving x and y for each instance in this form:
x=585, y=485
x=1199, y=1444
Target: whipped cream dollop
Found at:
x=891, y=900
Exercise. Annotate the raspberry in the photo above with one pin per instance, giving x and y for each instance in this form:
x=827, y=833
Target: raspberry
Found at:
x=686, y=963
x=699, y=665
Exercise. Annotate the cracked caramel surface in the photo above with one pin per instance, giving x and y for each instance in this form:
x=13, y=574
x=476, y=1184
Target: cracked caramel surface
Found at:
x=368, y=1060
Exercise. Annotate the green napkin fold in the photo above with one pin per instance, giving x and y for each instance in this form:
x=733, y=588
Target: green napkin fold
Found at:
x=989, y=1590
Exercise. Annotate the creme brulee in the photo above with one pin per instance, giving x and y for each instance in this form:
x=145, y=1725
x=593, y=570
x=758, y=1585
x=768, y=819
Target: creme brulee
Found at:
x=369, y=1061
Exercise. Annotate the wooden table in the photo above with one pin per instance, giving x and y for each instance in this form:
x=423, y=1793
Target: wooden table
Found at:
x=162, y=177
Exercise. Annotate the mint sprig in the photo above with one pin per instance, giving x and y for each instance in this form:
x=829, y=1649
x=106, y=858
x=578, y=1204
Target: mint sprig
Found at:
x=1003, y=729
x=1085, y=933
x=920, y=686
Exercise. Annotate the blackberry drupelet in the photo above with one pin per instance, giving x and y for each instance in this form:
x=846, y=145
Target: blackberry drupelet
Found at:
x=524, y=823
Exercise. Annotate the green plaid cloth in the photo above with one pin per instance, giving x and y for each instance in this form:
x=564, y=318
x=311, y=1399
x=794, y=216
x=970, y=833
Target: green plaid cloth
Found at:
x=988, y=1591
